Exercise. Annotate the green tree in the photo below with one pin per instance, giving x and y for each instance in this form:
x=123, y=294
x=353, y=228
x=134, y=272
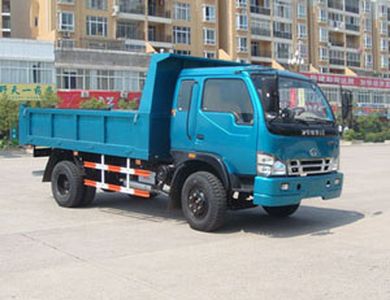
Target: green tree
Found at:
x=49, y=99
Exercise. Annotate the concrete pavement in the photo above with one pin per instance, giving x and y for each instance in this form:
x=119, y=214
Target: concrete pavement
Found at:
x=122, y=248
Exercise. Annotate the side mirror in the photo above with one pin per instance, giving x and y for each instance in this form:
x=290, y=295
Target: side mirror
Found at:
x=346, y=104
x=270, y=94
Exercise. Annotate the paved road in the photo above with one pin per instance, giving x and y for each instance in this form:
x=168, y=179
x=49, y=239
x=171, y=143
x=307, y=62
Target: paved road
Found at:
x=123, y=248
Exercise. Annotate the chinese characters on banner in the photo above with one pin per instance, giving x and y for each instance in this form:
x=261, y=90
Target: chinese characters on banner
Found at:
x=25, y=92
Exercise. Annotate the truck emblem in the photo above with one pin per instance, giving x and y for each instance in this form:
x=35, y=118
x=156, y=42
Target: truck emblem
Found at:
x=313, y=152
x=313, y=132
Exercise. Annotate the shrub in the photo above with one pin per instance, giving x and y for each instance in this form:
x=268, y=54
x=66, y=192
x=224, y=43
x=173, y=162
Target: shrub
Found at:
x=126, y=104
x=375, y=137
x=93, y=103
x=8, y=115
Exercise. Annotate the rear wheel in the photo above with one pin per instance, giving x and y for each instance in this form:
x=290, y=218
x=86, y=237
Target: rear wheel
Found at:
x=281, y=211
x=68, y=187
x=203, y=200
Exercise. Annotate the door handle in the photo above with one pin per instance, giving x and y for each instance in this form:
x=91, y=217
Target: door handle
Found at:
x=200, y=136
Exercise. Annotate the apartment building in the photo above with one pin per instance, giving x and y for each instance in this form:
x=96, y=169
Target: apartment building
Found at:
x=5, y=20
x=185, y=26
x=263, y=31
x=381, y=34
x=341, y=36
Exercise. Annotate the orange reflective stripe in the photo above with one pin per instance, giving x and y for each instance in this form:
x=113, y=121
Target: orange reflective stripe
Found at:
x=113, y=187
x=89, y=183
x=143, y=173
x=114, y=168
x=140, y=193
x=90, y=165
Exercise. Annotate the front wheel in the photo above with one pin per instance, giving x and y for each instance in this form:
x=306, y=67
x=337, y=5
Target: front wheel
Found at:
x=203, y=200
x=281, y=211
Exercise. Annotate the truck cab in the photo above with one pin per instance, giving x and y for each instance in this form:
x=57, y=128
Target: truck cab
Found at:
x=273, y=133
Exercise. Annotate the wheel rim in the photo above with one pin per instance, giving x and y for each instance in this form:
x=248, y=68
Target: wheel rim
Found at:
x=197, y=203
x=63, y=184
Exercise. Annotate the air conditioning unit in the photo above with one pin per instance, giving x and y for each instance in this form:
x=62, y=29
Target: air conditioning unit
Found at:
x=84, y=94
x=115, y=10
x=124, y=94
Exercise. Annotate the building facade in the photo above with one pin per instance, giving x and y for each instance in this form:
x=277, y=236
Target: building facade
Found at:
x=5, y=20
x=26, y=68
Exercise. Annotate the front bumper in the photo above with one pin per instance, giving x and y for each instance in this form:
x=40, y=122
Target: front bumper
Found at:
x=267, y=190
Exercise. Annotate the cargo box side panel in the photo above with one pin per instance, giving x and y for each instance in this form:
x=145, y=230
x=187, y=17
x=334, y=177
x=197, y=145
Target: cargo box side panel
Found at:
x=116, y=133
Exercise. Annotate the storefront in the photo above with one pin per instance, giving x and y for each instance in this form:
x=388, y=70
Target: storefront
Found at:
x=370, y=95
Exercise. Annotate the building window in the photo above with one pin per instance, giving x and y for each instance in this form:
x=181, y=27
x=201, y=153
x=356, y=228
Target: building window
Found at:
x=65, y=1
x=66, y=21
x=242, y=21
x=301, y=10
x=181, y=35
x=182, y=52
x=384, y=44
x=96, y=26
x=97, y=4
x=384, y=62
x=208, y=36
x=209, y=13
x=282, y=9
x=209, y=54
x=368, y=60
x=242, y=44
x=302, y=31
x=324, y=35
x=324, y=53
x=182, y=11
x=241, y=3
x=322, y=15
x=367, y=25
x=282, y=30
x=26, y=72
x=367, y=41
x=129, y=30
x=282, y=50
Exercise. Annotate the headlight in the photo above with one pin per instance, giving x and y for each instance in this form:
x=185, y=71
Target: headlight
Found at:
x=267, y=165
x=335, y=164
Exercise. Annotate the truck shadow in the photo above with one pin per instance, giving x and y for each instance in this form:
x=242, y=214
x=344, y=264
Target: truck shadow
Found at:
x=308, y=220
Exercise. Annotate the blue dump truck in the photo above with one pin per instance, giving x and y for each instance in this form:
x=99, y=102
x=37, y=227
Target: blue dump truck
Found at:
x=213, y=135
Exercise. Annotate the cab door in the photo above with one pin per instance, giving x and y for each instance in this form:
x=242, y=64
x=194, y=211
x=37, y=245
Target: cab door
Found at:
x=227, y=123
x=183, y=122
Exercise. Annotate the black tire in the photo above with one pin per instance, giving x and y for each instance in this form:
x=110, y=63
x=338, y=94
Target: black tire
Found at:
x=203, y=200
x=281, y=211
x=89, y=196
x=67, y=185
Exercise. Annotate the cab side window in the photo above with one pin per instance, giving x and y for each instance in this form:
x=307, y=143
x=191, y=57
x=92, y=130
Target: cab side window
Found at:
x=228, y=96
x=185, y=95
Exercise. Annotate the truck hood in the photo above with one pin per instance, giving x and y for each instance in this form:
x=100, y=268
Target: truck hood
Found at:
x=298, y=147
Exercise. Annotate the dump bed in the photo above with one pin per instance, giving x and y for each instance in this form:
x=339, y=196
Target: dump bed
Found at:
x=142, y=134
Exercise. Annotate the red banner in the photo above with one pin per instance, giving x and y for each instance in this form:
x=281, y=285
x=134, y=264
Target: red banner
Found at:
x=362, y=82
x=72, y=99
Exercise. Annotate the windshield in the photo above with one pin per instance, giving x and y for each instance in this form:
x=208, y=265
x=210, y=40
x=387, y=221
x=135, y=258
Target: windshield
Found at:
x=299, y=101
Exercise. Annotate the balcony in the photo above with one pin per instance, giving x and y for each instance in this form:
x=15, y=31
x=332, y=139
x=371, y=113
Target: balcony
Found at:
x=124, y=33
x=261, y=53
x=260, y=31
x=160, y=40
x=261, y=10
x=352, y=9
x=337, y=61
x=351, y=63
x=335, y=4
x=283, y=35
x=131, y=9
x=352, y=27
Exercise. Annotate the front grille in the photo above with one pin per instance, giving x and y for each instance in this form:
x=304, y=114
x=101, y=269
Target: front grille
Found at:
x=303, y=167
